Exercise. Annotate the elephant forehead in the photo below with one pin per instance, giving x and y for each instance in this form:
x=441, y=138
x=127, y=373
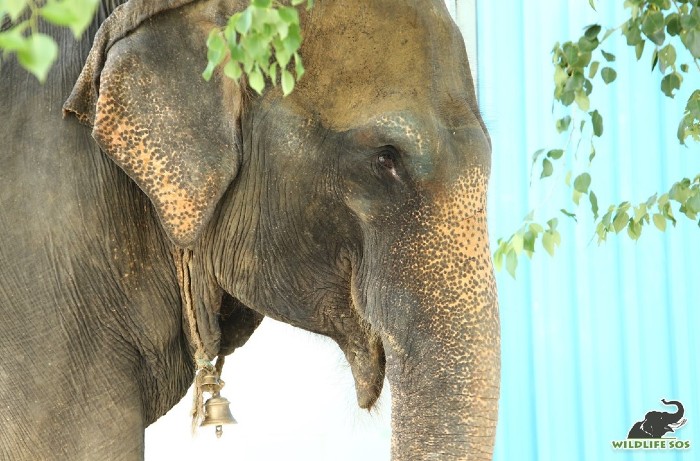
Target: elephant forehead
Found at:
x=365, y=58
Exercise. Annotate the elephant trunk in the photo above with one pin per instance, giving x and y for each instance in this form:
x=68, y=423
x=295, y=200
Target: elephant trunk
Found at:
x=445, y=408
x=441, y=336
x=678, y=415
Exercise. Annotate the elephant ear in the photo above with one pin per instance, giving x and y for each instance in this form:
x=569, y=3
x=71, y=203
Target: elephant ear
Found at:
x=176, y=135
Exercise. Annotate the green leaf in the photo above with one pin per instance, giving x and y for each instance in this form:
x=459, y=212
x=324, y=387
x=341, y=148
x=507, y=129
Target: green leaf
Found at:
x=553, y=223
x=585, y=44
x=77, y=15
x=659, y=222
x=555, y=154
x=640, y=213
x=569, y=214
x=237, y=53
x=582, y=101
x=273, y=73
x=216, y=47
x=592, y=3
x=38, y=55
x=597, y=120
x=298, y=66
x=208, y=71
x=12, y=39
x=498, y=256
x=245, y=20
x=560, y=76
x=287, y=82
x=639, y=49
x=511, y=262
x=575, y=82
x=620, y=221
x=289, y=15
x=547, y=168
x=650, y=201
x=13, y=8
x=256, y=80
x=673, y=24
x=563, y=124
x=654, y=59
x=593, y=69
x=608, y=74
x=691, y=40
x=693, y=202
x=592, y=31
x=261, y=3
x=631, y=31
x=634, y=230
x=653, y=26
x=670, y=83
x=576, y=196
x=684, y=68
x=536, y=228
x=594, y=204
x=231, y=37
x=571, y=53
x=516, y=243
x=582, y=182
x=591, y=156
x=601, y=231
x=536, y=155
x=608, y=56
x=548, y=243
x=293, y=40
x=232, y=70
x=529, y=238
x=667, y=57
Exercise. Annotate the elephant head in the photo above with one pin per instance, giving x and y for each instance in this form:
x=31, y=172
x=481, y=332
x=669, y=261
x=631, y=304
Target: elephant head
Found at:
x=657, y=423
x=354, y=208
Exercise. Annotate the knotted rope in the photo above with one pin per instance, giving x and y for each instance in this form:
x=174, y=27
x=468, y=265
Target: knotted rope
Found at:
x=204, y=366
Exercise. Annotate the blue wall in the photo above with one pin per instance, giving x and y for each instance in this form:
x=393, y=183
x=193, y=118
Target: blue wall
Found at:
x=594, y=337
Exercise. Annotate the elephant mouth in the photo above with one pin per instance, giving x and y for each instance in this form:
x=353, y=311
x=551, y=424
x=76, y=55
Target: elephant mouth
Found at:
x=368, y=364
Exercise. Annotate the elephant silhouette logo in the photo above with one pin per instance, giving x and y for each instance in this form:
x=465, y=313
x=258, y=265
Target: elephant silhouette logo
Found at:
x=656, y=424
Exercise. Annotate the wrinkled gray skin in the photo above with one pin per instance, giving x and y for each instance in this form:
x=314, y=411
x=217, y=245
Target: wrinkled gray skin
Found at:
x=354, y=208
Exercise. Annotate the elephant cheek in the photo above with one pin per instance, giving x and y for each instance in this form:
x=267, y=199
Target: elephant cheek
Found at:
x=444, y=365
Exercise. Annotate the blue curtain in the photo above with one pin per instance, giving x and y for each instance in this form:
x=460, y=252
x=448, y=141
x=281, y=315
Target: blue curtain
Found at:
x=595, y=337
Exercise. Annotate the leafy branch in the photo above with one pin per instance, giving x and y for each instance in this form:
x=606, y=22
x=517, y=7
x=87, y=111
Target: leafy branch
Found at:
x=673, y=28
x=37, y=52
x=260, y=41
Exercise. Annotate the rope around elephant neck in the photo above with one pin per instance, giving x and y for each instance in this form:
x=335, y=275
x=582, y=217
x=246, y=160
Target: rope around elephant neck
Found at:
x=183, y=259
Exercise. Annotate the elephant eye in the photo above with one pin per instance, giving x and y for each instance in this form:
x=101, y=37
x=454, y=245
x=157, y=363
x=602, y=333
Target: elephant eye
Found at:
x=387, y=160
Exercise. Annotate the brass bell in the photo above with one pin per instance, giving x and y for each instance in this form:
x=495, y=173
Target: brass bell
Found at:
x=217, y=413
x=211, y=383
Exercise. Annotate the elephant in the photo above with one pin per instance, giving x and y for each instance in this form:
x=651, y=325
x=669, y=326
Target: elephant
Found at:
x=657, y=423
x=151, y=219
